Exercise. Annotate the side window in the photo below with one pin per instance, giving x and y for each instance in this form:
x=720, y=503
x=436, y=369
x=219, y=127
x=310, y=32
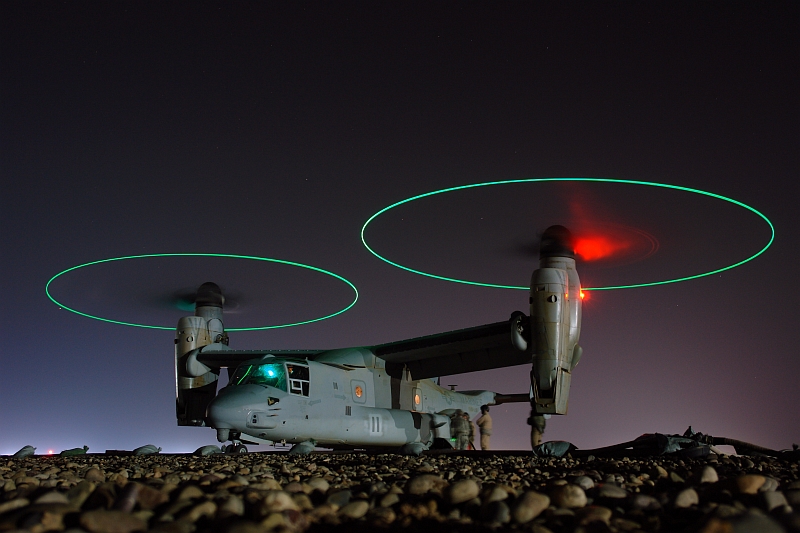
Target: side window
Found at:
x=298, y=379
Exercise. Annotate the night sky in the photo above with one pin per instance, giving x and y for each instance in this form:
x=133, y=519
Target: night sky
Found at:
x=277, y=130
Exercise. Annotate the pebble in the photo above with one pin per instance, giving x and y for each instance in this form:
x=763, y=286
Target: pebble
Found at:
x=340, y=498
x=708, y=475
x=750, y=483
x=497, y=512
x=529, y=506
x=568, y=496
x=103, y=521
x=262, y=492
x=355, y=509
x=686, y=498
x=462, y=491
x=425, y=483
x=594, y=513
x=611, y=491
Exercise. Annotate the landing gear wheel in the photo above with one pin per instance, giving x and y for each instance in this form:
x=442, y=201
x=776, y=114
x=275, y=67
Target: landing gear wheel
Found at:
x=236, y=448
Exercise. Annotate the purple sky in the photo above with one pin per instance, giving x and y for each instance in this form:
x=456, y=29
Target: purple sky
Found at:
x=278, y=130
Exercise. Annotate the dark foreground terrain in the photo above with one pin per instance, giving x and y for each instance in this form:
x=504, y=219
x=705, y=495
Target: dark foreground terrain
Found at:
x=359, y=492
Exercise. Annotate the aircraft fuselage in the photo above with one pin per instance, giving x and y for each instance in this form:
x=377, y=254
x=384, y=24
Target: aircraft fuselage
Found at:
x=341, y=398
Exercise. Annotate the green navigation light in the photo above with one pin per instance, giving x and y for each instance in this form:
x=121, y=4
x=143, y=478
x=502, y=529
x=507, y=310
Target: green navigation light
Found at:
x=230, y=256
x=595, y=180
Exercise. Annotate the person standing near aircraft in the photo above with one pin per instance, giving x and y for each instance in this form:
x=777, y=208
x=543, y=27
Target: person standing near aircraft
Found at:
x=485, y=425
x=471, y=445
x=460, y=430
x=537, y=423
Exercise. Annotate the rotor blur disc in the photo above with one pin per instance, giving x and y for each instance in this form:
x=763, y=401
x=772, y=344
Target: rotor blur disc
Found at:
x=204, y=255
x=464, y=280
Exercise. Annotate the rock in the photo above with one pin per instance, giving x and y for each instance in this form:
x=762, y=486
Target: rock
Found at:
x=611, y=491
x=750, y=483
x=339, y=498
x=277, y=501
x=568, y=496
x=773, y=499
x=127, y=497
x=745, y=523
x=461, y=491
x=355, y=509
x=770, y=483
x=232, y=506
x=149, y=498
x=78, y=494
x=497, y=512
x=303, y=501
x=102, y=521
x=529, y=506
x=190, y=492
x=708, y=475
x=52, y=496
x=687, y=498
x=425, y=468
x=317, y=483
x=267, y=484
x=645, y=502
x=425, y=483
x=675, y=478
x=793, y=497
x=495, y=494
x=11, y=505
x=203, y=509
x=593, y=513
x=390, y=499
x=95, y=475
x=584, y=482
x=381, y=516
x=293, y=487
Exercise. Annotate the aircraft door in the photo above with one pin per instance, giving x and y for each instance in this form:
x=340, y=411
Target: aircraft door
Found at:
x=416, y=401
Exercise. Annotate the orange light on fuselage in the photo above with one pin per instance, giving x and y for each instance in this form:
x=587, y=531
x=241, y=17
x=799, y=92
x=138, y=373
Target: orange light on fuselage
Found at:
x=583, y=295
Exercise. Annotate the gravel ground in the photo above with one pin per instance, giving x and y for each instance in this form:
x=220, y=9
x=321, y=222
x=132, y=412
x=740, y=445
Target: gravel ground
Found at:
x=358, y=492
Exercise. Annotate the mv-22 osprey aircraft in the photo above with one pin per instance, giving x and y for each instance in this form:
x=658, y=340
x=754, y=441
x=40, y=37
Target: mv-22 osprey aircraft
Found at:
x=378, y=396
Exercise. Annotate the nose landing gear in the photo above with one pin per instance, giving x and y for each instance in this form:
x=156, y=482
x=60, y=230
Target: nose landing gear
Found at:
x=236, y=448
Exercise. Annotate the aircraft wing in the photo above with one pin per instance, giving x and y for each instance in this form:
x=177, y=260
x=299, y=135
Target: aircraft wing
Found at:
x=221, y=358
x=454, y=352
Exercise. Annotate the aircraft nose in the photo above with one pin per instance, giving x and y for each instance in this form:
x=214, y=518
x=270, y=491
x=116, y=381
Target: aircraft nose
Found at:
x=230, y=408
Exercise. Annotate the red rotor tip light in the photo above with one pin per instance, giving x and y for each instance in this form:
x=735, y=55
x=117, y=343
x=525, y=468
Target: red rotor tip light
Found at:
x=583, y=295
x=598, y=247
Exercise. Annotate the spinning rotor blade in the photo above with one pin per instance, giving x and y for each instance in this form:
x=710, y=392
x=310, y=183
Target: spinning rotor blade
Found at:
x=207, y=294
x=601, y=242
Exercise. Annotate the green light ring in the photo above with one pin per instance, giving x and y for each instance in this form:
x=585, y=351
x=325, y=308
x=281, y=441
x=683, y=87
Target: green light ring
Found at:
x=597, y=180
x=250, y=257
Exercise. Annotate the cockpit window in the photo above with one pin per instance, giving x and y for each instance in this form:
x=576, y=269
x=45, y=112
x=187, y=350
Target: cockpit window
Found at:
x=298, y=379
x=267, y=374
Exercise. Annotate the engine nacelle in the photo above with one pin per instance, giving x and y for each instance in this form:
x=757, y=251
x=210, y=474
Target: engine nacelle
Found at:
x=555, y=319
x=195, y=383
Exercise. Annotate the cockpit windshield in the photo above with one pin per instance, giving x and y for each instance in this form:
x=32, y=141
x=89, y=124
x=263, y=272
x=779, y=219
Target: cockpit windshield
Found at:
x=267, y=374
